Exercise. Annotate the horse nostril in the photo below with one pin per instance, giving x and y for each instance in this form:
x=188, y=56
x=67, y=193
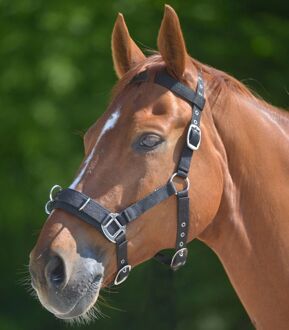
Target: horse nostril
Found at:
x=55, y=271
x=57, y=275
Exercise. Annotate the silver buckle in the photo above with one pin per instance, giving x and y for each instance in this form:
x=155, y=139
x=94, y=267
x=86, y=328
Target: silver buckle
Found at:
x=52, y=194
x=182, y=253
x=124, y=270
x=111, y=219
x=189, y=144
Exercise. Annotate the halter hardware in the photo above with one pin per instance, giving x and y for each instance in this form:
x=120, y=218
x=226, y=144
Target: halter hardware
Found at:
x=113, y=225
x=84, y=204
x=53, y=192
x=122, y=274
x=194, y=136
x=185, y=179
x=179, y=259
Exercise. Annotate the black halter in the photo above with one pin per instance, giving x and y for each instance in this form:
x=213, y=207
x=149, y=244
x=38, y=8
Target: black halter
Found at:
x=113, y=225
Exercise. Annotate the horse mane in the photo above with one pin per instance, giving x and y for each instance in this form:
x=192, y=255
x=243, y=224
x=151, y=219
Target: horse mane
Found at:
x=219, y=83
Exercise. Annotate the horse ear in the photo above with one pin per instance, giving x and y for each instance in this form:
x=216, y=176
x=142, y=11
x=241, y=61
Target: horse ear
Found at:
x=171, y=43
x=125, y=53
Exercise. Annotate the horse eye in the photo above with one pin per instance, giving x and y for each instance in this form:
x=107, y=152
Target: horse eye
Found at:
x=149, y=141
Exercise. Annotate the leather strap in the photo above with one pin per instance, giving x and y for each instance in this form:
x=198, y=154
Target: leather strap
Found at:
x=194, y=134
x=81, y=206
x=181, y=90
x=193, y=142
x=135, y=210
x=94, y=214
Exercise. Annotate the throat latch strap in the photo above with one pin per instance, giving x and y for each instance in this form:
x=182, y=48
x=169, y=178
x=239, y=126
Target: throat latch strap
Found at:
x=193, y=141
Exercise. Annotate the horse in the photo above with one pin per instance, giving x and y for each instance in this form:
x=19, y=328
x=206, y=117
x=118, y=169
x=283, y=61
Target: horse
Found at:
x=237, y=204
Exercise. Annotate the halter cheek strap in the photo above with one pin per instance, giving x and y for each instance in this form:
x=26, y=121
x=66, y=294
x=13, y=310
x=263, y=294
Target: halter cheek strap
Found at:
x=113, y=225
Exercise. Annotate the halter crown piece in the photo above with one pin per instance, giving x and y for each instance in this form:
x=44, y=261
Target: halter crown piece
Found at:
x=113, y=225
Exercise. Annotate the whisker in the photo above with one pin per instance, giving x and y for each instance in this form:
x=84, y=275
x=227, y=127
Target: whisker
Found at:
x=104, y=300
x=25, y=281
x=110, y=290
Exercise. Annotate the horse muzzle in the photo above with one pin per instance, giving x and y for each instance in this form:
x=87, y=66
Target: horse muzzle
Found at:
x=68, y=289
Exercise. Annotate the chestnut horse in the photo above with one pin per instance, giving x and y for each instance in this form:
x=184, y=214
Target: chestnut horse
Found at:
x=239, y=199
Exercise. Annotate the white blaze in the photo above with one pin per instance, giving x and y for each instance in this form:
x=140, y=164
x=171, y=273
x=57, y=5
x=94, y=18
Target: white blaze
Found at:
x=110, y=123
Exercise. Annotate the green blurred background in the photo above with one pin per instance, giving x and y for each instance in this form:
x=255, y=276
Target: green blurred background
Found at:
x=56, y=77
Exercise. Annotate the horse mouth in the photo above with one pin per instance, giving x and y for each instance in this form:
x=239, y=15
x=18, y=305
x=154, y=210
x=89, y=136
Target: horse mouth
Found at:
x=83, y=306
x=82, y=310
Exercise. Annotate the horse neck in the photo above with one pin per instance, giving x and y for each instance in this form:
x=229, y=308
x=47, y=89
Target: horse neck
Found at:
x=250, y=233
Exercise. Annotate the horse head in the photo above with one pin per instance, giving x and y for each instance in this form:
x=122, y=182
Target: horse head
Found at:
x=130, y=151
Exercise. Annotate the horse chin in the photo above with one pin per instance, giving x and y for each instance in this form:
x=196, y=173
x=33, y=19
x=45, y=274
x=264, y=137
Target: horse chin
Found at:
x=83, y=309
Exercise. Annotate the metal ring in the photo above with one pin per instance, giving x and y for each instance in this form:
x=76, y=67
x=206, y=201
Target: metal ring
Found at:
x=186, y=179
x=46, y=207
x=52, y=191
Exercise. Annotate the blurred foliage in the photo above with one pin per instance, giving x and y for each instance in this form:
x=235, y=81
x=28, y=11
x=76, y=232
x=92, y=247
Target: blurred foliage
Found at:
x=56, y=77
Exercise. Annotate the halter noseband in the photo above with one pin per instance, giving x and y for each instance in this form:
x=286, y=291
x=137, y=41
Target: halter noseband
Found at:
x=113, y=225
